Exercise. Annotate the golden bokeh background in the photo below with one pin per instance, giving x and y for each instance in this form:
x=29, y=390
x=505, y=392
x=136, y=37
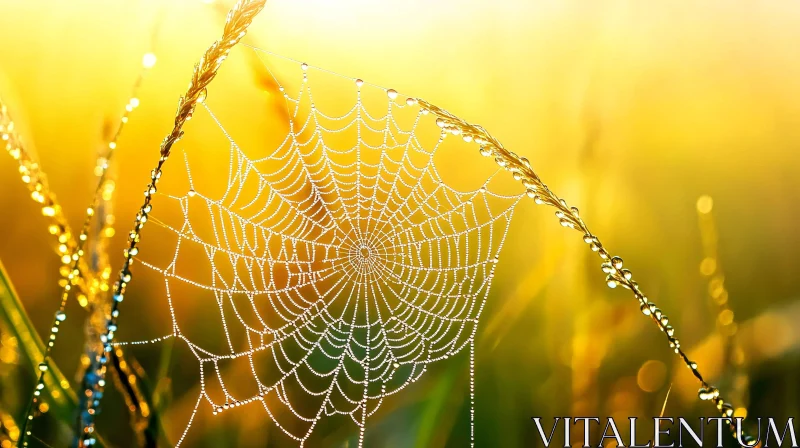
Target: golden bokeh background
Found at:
x=630, y=110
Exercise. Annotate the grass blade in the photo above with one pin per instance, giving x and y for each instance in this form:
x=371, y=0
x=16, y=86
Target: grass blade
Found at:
x=63, y=397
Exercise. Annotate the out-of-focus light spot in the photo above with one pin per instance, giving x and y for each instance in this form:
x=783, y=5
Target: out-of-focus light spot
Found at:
x=8, y=355
x=730, y=330
x=772, y=334
x=721, y=298
x=740, y=412
x=708, y=266
x=726, y=317
x=149, y=60
x=705, y=204
x=651, y=375
x=738, y=356
x=716, y=287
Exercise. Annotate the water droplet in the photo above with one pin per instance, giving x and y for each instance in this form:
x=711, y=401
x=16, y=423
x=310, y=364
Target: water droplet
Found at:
x=617, y=262
x=727, y=410
x=201, y=97
x=440, y=122
x=304, y=66
x=411, y=101
x=392, y=94
x=43, y=367
x=61, y=316
x=645, y=309
x=396, y=365
x=486, y=152
x=359, y=82
x=192, y=193
x=707, y=393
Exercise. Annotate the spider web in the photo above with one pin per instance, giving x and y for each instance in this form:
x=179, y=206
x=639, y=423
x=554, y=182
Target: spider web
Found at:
x=338, y=263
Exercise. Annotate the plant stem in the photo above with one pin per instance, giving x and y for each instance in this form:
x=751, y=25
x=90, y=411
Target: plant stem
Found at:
x=569, y=217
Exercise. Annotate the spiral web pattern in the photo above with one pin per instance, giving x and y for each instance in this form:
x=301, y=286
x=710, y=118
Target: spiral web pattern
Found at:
x=340, y=257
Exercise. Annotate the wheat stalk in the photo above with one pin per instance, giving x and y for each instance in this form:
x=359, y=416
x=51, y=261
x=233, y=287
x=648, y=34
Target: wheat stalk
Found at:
x=569, y=217
x=35, y=180
x=238, y=20
x=142, y=414
x=78, y=272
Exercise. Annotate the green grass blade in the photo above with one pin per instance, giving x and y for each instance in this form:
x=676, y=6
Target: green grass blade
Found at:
x=63, y=398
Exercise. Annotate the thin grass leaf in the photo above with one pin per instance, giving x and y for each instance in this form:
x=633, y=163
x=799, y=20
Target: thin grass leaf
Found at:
x=666, y=398
x=63, y=397
x=436, y=404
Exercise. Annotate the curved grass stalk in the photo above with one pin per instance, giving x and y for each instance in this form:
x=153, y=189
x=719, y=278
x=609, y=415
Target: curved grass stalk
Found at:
x=142, y=415
x=60, y=315
x=727, y=327
x=35, y=179
x=67, y=247
x=78, y=270
x=569, y=216
x=238, y=20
